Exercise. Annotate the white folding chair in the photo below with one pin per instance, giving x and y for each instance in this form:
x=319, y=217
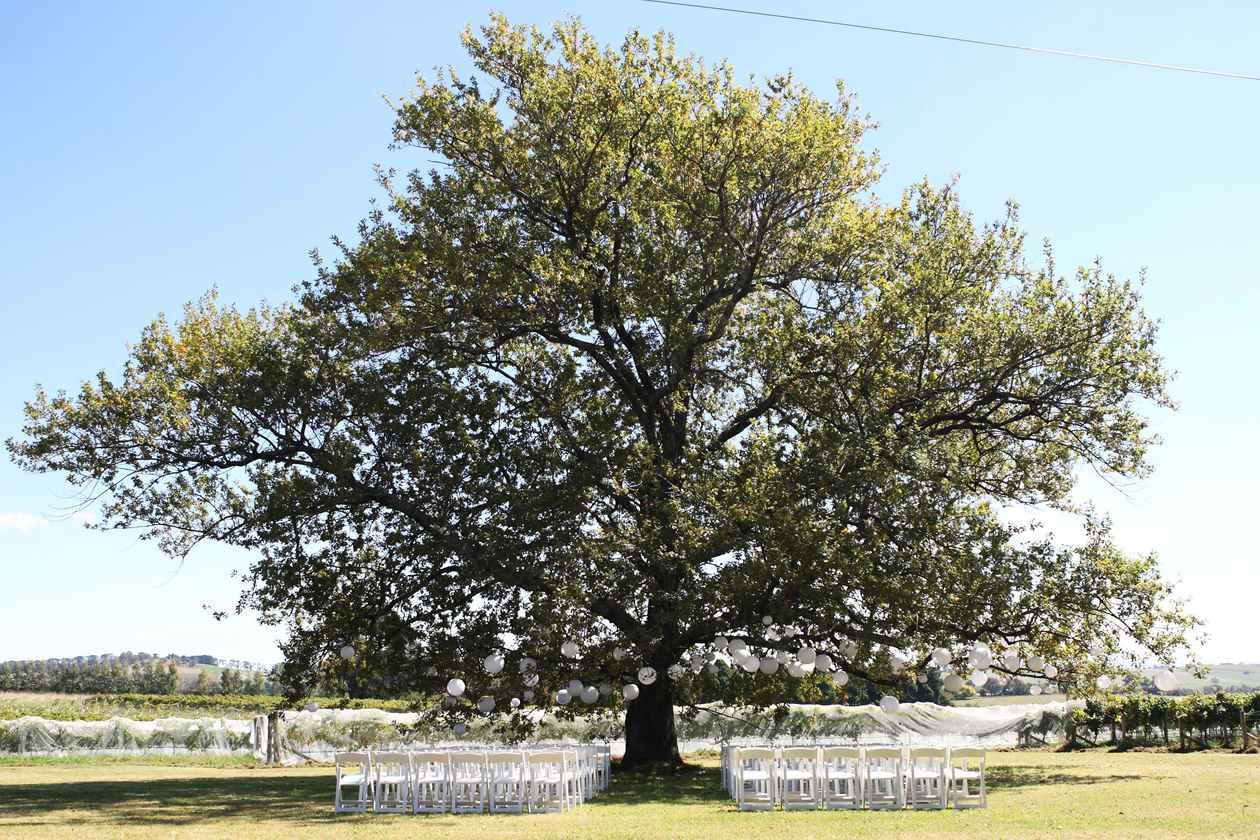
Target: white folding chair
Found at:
x=756, y=781
x=841, y=778
x=964, y=778
x=549, y=780
x=798, y=778
x=354, y=770
x=507, y=778
x=431, y=782
x=391, y=783
x=925, y=779
x=883, y=788
x=469, y=787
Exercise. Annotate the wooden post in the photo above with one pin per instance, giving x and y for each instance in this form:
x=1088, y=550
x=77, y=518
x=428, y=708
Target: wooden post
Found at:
x=1242, y=722
x=275, y=723
x=1181, y=734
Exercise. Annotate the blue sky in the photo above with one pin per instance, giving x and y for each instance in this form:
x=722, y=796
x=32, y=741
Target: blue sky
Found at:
x=153, y=151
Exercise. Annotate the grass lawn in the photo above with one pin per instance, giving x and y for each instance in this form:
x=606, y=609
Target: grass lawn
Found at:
x=1032, y=795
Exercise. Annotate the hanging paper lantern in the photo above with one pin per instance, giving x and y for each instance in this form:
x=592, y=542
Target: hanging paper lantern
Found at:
x=980, y=658
x=493, y=663
x=750, y=663
x=312, y=707
x=486, y=704
x=806, y=655
x=675, y=672
x=530, y=679
x=772, y=635
x=721, y=642
x=737, y=645
x=605, y=689
x=570, y=649
x=942, y=657
x=767, y=620
x=769, y=665
x=575, y=687
x=590, y=694
x=1165, y=680
x=455, y=687
x=791, y=631
x=630, y=692
x=619, y=653
x=527, y=664
x=952, y=683
x=647, y=675
x=1103, y=682
x=979, y=678
x=1051, y=672
x=528, y=694
x=563, y=697
x=897, y=664
x=347, y=652
x=781, y=656
x=516, y=703
x=459, y=729
x=1036, y=663
x=889, y=704
x=1034, y=690
x=1010, y=661
x=840, y=677
x=822, y=662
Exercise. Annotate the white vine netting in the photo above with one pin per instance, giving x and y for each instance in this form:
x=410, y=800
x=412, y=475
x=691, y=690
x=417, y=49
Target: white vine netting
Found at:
x=318, y=734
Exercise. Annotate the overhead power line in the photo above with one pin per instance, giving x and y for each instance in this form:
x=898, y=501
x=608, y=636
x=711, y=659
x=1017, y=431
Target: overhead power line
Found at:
x=960, y=40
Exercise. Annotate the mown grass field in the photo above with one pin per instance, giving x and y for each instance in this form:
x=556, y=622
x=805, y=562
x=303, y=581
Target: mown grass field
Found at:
x=1033, y=795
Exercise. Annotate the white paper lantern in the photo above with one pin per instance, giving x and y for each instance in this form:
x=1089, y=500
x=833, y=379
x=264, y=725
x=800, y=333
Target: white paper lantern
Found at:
x=942, y=657
x=1103, y=682
x=455, y=687
x=1010, y=661
x=980, y=658
x=570, y=649
x=750, y=663
x=563, y=697
x=840, y=677
x=528, y=694
x=605, y=689
x=530, y=679
x=772, y=635
x=459, y=729
x=769, y=666
x=1051, y=672
x=822, y=663
x=516, y=703
x=675, y=672
x=767, y=620
x=721, y=642
x=953, y=683
x=347, y=652
x=806, y=655
x=889, y=704
x=979, y=678
x=737, y=645
x=1165, y=680
x=589, y=694
x=575, y=687
x=794, y=669
x=1036, y=663
x=312, y=707
x=619, y=653
x=897, y=664
x=781, y=656
x=493, y=663
x=630, y=692
x=849, y=649
x=527, y=664
x=1034, y=690
x=486, y=704
x=647, y=675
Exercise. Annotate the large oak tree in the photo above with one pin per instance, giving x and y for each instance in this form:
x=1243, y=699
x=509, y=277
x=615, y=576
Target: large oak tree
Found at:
x=642, y=361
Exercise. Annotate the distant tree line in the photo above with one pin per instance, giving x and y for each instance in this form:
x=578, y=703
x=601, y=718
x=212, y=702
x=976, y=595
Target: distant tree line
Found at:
x=125, y=674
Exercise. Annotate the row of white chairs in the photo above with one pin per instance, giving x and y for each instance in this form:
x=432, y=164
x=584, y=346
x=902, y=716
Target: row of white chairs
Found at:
x=850, y=778
x=468, y=781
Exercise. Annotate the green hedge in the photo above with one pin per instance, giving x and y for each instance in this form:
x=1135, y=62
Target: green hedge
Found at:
x=151, y=706
x=1193, y=721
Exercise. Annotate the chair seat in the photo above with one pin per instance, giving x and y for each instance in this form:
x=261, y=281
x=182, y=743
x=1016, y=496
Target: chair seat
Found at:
x=963, y=774
x=840, y=774
x=882, y=775
x=797, y=774
x=352, y=779
x=392, y=779
x=755, y=775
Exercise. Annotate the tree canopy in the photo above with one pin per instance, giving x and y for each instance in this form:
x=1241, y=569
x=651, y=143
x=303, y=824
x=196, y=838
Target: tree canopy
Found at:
x=642, y=361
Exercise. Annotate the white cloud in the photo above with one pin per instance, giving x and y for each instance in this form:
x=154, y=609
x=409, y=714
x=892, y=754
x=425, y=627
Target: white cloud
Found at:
x=83, y=517
x=22, y=523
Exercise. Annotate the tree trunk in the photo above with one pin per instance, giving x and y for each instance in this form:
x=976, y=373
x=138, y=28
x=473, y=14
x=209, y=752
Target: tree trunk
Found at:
x=650, y=732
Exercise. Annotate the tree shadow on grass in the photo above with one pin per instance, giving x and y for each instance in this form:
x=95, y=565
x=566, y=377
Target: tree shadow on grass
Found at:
x=1012, y=777
x=685, y=784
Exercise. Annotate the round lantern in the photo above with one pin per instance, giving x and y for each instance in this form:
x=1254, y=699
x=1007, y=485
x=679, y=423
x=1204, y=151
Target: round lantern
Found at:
x=575, y=687
x=942, y=657
x=1010, y=661
x=528, y=694
x=347, y=652
x=647, y=675
x=1036, y=663
x=1034, y=690
x=822, y=662
x=516, y=703
x=630, y=692
x=486, y=704
x=605, y=689
x=1103, y=682
x=769, y=666
x=619, y=653
x=1051, y=672
x=530, y=679
x=493, y=663
x=737, y=645
x=563, y=697
x=570, y=649
x=527, y=664
x=979, y=678
x=952, y=683
x=767, y=620
x=675, y=672
x=979, y=658
x=781, y=656
x=840, y=677
x=889, y=704
x=794, y=669
x=312, y=707
x=459, y=729
x=1165, y=680
x=806, y=655
x=455, y=687
x=750, y=663
x=590, y=694
x=721, y=642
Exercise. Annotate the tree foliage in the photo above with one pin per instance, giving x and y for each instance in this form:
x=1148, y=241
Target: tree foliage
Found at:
x=642, y=362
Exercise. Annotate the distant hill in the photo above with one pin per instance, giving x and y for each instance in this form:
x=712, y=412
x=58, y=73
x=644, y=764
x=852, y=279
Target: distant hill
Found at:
x=1225, y=676
x=145, y=673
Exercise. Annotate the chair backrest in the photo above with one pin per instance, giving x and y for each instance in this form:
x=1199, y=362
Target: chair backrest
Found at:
x=927, y=752
x=849, y=753
x=799, y=753
x=350, y=759
x=428, y=759
x=391, y=759
x=754, y=754
x=967, y=752
x=548, y=757
x=883, y=752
